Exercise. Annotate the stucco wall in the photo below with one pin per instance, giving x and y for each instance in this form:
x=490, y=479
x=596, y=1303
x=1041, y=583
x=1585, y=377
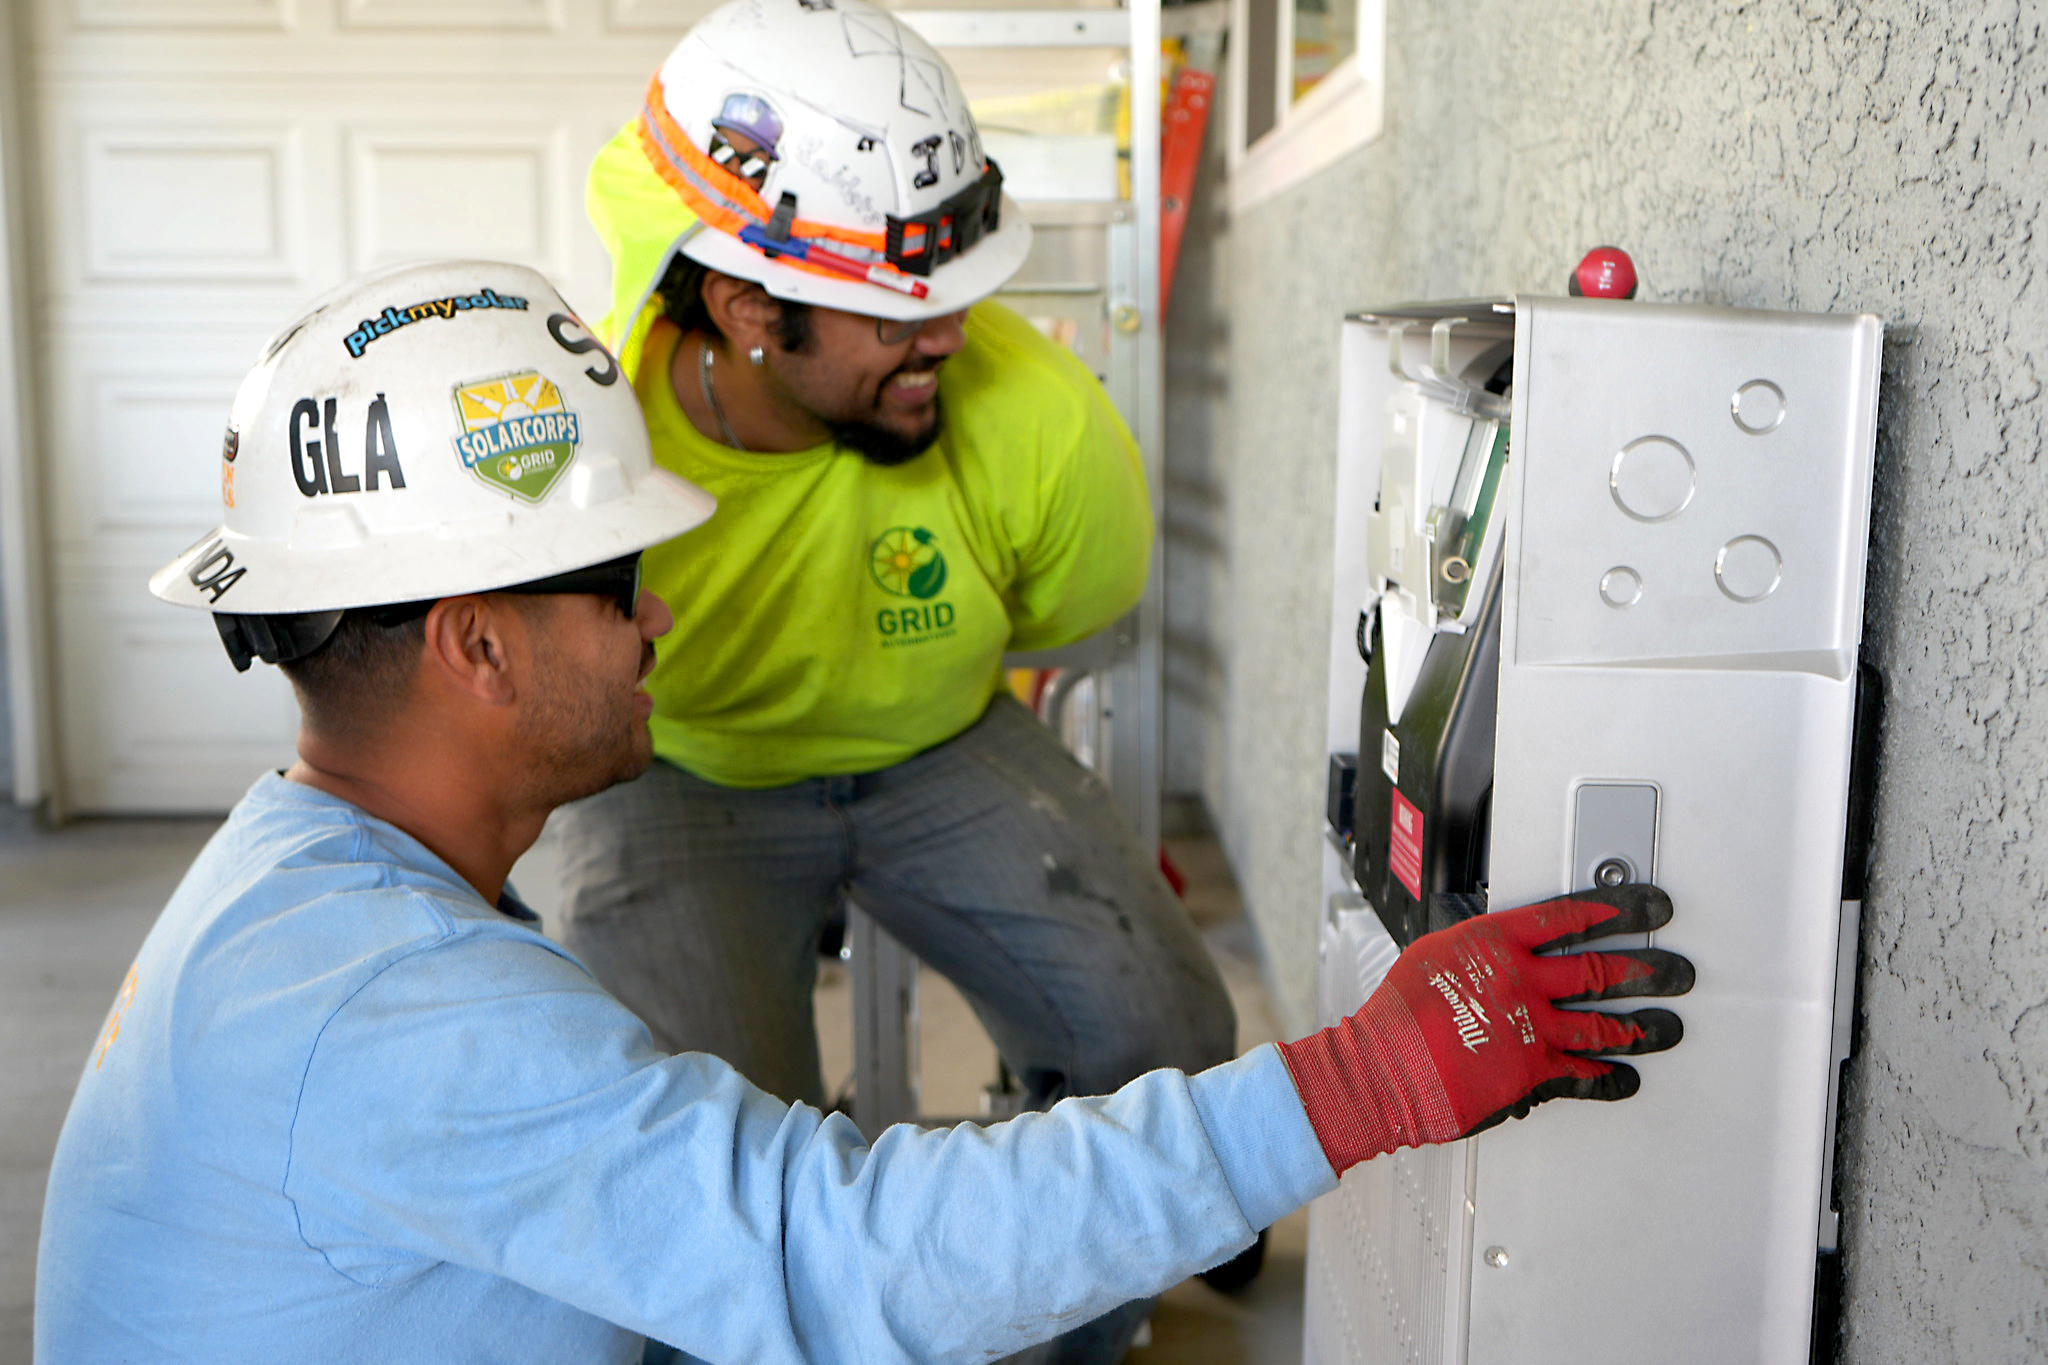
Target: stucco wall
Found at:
x=1878, y=158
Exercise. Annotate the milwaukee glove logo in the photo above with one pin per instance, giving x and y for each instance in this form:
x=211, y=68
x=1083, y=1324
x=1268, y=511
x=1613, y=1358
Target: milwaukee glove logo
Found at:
x=1469, y=1016
x=517, y=435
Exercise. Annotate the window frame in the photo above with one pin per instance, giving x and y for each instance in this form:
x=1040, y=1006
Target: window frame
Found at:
x=1341, y=113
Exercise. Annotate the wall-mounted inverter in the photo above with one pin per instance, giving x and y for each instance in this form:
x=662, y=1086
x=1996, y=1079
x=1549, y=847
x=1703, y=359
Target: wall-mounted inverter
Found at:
x=1597, y=617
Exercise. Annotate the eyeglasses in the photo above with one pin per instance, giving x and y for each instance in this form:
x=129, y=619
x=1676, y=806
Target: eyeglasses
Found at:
x=896, y=331
x=617, y=579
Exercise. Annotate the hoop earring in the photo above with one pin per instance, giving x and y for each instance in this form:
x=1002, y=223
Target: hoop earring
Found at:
x=756, y=356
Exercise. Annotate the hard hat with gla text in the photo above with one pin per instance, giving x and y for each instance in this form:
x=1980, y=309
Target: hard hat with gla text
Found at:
x=432, y=430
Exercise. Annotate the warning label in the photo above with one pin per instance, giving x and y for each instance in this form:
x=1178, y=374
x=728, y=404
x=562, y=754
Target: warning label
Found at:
x=1404, y=845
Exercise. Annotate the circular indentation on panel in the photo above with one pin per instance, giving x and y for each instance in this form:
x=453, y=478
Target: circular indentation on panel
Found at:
x=1749, y=569
x=1621, y=587
x=1653, y=478
x=1457, y=570
x=1758, y=406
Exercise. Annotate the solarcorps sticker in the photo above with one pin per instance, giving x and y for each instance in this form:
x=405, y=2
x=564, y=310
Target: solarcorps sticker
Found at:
x=517, y=435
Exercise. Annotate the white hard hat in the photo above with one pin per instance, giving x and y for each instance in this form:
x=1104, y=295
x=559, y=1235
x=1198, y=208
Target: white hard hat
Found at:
x=827, y=152
x=432, y=430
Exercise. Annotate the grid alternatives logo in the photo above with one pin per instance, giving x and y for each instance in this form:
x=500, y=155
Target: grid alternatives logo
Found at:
x=905, y=562
x=517, y=434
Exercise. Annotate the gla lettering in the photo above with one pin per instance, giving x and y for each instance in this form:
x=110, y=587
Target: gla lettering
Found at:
x=316, y=450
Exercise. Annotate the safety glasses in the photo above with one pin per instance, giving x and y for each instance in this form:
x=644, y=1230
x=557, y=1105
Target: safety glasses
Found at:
x=895, y=331
x=615, y=579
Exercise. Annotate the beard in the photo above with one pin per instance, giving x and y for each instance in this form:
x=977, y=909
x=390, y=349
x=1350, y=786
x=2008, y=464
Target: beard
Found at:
x=879, y=445
x=590, y=736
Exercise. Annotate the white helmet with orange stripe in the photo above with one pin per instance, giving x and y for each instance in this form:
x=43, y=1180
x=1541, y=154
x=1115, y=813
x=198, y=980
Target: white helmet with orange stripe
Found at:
x=827, y=152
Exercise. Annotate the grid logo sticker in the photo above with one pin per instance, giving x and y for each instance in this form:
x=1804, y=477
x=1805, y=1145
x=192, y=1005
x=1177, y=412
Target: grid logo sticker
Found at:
x=517, y=434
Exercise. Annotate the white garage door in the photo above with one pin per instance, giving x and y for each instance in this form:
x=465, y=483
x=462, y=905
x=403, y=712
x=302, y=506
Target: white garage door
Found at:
x=205, y=167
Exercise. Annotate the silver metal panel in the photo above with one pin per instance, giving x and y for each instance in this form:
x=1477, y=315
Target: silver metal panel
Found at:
x=1386, y=1281
x=1689, y=1210
x=1688, y=1213
x=1650, y=468
x=1388, y=1253
x=1366, y=385
x=1132, y=692
x=884, y=1026
x=1614, y=834
x=1388, y=1250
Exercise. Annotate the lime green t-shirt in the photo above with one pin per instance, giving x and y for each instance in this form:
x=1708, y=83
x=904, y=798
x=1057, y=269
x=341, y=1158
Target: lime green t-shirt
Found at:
x=835, y=616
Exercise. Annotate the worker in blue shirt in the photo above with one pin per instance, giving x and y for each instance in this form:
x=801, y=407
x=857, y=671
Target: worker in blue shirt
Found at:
x=350, y=1105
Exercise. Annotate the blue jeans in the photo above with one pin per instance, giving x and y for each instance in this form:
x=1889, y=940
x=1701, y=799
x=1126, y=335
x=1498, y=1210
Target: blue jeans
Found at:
x=995, y=857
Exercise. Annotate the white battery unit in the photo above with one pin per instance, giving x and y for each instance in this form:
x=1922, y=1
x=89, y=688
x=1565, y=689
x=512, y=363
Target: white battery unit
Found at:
x=1678, y=533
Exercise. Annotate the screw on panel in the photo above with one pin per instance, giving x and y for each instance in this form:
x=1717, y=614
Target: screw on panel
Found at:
x=1497, y=1257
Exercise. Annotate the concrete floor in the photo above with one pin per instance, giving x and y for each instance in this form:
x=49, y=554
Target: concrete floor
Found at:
x=75, y=904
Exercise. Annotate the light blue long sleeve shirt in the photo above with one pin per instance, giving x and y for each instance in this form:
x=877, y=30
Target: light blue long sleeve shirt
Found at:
x=344, y=1110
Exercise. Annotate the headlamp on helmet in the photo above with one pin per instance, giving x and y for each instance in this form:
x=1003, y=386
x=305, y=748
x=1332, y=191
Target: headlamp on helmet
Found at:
x=924, y=241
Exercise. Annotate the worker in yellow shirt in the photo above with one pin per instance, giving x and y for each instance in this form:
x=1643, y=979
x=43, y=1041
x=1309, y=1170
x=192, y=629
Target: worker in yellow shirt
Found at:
x=911, y=480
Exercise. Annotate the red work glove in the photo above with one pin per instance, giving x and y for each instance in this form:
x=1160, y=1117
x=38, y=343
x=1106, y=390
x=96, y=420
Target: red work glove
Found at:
x=1466, y=1032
